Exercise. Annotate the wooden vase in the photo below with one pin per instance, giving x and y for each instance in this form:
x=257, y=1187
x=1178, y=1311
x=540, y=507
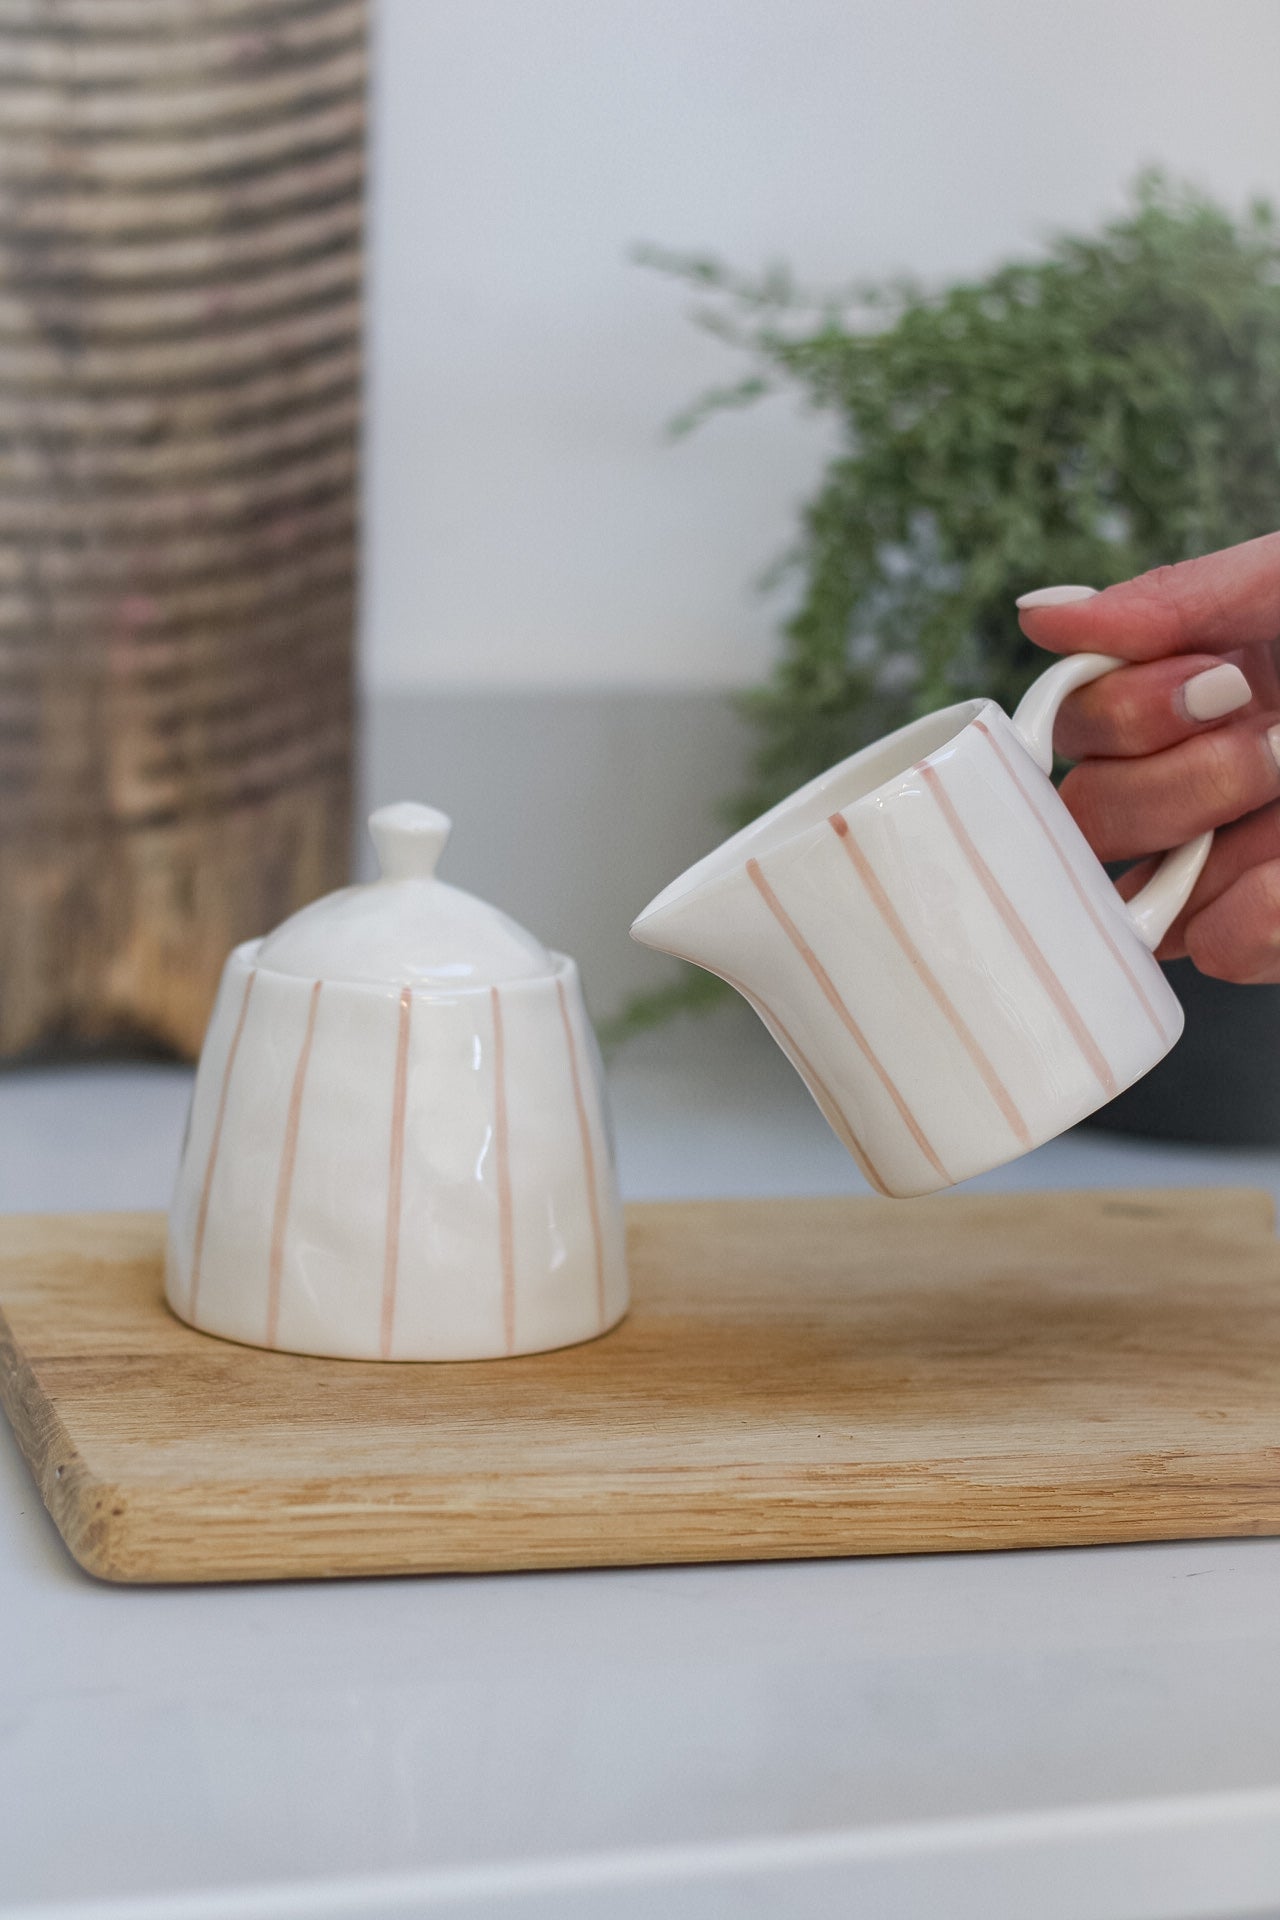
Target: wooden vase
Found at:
x=181, y=208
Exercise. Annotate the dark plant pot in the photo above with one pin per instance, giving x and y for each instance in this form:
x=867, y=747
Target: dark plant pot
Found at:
x=1220, y=1085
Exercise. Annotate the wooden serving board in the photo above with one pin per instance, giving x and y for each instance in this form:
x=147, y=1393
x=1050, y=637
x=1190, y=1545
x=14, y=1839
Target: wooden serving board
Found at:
x=797, y=1377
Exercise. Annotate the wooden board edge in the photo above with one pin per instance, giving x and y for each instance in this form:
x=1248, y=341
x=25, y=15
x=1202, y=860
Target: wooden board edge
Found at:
x=156, y=1562
x=133, y=1538
x=84, y=1508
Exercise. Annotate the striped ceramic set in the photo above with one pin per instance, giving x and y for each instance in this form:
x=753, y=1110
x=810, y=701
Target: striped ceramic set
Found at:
x=398, y=1146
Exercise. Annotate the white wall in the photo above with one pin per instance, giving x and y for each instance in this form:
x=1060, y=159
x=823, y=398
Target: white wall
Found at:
x=526, y=524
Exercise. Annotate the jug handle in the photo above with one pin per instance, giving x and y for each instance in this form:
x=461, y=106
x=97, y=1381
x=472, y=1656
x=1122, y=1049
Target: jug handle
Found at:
x=1153, y=910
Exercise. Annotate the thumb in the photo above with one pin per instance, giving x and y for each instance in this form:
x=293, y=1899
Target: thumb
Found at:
x=1212, y=605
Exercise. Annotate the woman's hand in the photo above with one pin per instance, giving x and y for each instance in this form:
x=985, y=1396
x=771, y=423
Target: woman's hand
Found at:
x=1185, y=738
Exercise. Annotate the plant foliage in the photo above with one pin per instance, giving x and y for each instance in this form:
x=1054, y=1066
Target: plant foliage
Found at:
x=1108, y=407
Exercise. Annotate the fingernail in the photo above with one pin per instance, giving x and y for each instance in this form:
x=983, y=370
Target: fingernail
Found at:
x=1218, y=690
x=1055, y=596
x=1273, y=741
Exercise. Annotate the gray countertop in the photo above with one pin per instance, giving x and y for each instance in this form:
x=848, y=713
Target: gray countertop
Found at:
x=1085, y=1733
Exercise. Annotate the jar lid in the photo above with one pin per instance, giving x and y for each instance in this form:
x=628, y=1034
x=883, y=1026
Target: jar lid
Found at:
x=406, y=928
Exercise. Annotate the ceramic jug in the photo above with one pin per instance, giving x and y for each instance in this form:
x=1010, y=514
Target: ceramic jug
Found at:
x=929, y=937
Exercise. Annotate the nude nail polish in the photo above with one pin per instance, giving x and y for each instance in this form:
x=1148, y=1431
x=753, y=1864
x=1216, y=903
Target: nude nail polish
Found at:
x=1054, y=596
x=1273, y=741
x=1218, y=690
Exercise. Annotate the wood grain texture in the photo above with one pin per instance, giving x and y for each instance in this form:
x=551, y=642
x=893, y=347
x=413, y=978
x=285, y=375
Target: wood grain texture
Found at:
x=797, y=1378
x=181, y=216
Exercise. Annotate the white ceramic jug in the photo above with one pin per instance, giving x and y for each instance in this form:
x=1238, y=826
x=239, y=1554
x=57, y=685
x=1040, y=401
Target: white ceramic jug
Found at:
x=398, y=1146
x=928, y=935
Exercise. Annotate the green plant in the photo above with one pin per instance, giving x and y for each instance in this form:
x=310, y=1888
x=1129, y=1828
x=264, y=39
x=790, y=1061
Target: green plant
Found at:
x=1110, y=406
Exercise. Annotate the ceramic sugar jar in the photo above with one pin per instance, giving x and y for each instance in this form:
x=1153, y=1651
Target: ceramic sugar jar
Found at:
x=398, y=1146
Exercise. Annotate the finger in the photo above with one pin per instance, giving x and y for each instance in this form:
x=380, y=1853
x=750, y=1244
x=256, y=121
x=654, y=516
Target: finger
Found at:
x=1145, y=708
x=1124, y=808
x=1238, y=936
x=1224, y=600
x=1251, y=842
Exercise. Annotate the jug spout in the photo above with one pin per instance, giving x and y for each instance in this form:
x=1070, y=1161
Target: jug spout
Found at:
x=703, y=924
x=669, y=929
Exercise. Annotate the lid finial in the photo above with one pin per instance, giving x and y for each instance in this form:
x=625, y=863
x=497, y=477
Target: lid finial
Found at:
x=409, y=839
